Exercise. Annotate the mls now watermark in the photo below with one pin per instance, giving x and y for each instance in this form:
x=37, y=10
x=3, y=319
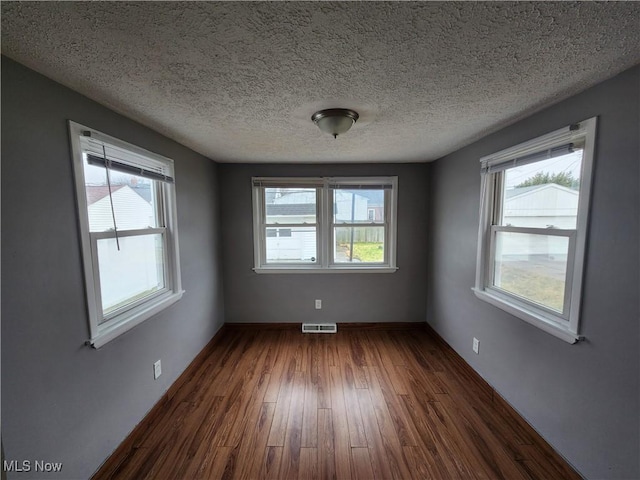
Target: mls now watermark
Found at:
x=29, y=466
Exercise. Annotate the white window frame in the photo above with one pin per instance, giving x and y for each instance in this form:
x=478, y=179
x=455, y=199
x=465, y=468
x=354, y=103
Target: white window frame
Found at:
x=563, y=325
x=325, y=263
x=104, y=328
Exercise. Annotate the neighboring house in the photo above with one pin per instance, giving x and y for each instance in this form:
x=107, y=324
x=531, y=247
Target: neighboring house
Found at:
x=375, y=204
x=132, y=210
x=291, y=207
x=299, y=206
x=540, y=206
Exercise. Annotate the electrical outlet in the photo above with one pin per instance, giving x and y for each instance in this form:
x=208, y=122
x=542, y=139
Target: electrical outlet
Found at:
x=318, y=304
x=476, y=345
x=157, y=370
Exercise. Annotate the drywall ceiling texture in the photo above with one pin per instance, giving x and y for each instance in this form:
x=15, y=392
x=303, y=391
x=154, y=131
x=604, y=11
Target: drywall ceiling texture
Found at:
x=238, y=82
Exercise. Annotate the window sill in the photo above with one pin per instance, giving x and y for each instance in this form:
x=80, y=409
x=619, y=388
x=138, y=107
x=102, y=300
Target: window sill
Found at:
x=346, y=269
x=125, y=322
x=530, y=317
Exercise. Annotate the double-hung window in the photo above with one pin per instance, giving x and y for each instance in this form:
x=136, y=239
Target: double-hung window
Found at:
x=534, y=209
x=325, y=224
x=127, y=216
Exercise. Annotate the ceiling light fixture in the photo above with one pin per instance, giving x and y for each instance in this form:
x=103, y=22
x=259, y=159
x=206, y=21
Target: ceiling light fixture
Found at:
x=335, y=121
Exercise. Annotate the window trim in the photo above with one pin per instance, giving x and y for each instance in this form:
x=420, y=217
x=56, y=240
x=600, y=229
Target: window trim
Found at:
x=566, y=325
x=120, y=321
x=324, y=225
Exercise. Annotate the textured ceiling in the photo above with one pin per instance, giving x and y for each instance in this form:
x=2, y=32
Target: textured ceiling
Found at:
x=238, y=82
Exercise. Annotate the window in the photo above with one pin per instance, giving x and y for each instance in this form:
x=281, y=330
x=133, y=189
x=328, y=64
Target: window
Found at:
x=533, y=225
x=324, y=224
x=127, y=216
x=371, y=214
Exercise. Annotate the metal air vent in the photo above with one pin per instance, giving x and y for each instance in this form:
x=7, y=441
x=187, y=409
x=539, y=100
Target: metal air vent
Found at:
x=319, y=328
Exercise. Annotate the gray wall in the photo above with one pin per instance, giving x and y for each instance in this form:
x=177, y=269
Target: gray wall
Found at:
x=63, y=401
x=347, y=297
x=583, y=398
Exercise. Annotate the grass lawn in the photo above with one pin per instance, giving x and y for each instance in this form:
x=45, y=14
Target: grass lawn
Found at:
x=533, y=282
x=364, y=251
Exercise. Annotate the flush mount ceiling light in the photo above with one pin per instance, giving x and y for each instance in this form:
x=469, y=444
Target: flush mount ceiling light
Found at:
x=335, y=121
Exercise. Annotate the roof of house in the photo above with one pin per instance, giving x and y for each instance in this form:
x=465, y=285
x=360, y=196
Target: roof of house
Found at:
x=374, y=198
x=514, y=192
x=98, y=192
x=291, y=209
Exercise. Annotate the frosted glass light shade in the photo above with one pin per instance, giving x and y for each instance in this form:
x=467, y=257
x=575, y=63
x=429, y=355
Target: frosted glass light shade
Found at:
x=335, y=121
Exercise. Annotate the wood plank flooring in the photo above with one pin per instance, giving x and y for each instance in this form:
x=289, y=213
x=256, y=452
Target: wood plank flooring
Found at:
x=370, y=402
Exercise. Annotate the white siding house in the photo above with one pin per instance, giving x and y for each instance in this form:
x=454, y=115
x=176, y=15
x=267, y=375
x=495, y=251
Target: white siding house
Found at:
x=135, y=266
x=550, y=205
x=540, y=206
x=131, y=210
x=299, y=207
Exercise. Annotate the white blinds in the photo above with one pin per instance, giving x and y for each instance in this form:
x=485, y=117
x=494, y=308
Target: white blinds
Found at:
x=284, y=182
x=342, y=183
x=553, y=144
x=532, y=157
x=360, y=186
x=120, y=158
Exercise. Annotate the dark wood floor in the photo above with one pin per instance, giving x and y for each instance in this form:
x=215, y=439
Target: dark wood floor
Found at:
x=368, y=402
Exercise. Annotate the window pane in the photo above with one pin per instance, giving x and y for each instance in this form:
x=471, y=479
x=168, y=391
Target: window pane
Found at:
x=543, y=194
x=532, y=266
x=131, y=273
x=358, y=244
x=290, y=205
x=358, y=206
x=296, y=244
x=134, y=202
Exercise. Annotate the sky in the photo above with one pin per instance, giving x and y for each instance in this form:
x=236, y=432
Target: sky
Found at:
x=95, y=175
x=570, y=163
